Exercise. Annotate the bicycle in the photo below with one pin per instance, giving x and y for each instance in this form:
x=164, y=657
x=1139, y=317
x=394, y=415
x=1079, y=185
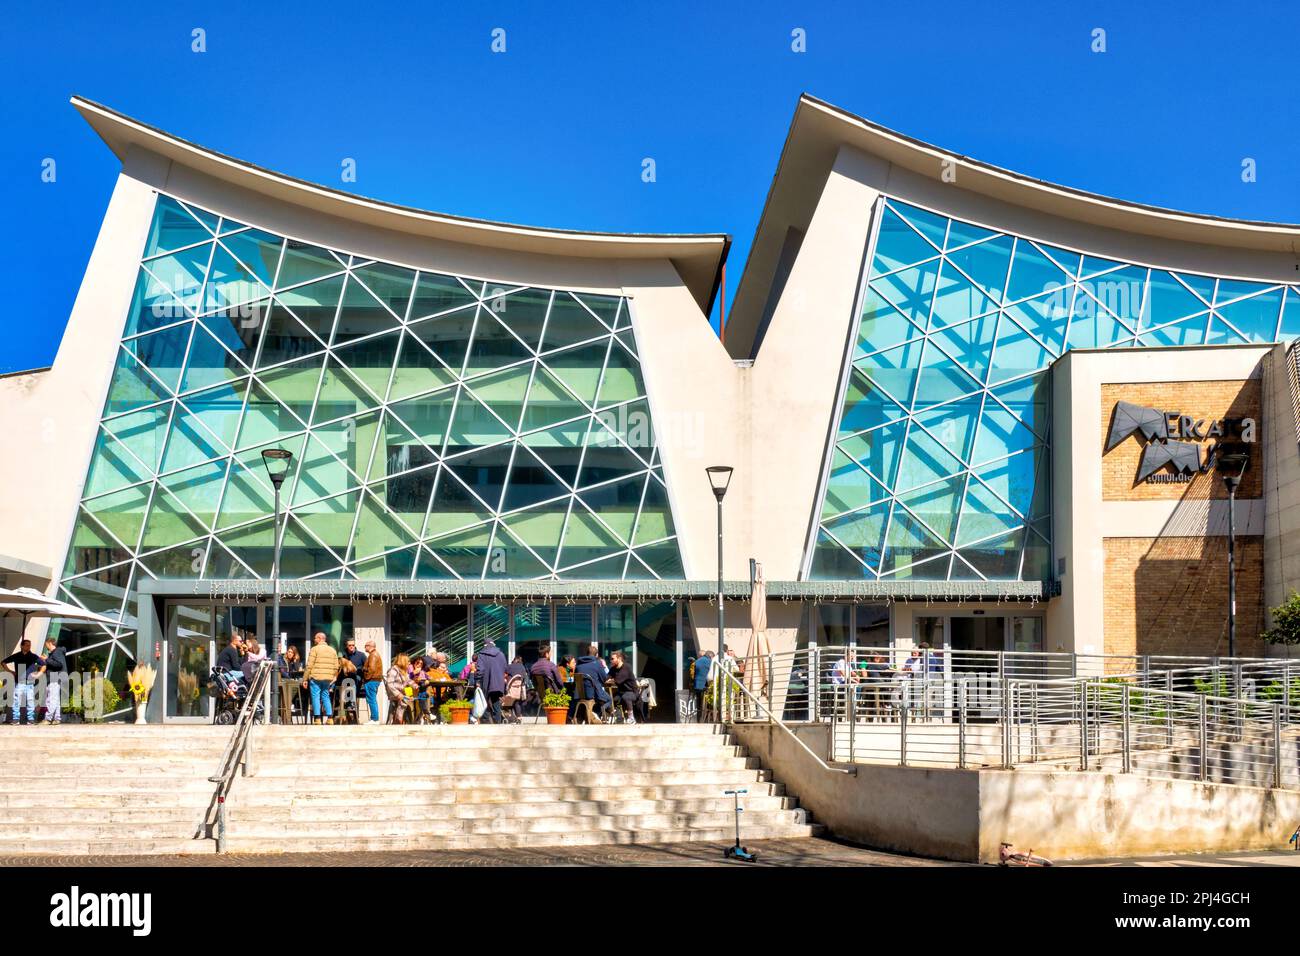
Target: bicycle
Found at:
x=1009, y=856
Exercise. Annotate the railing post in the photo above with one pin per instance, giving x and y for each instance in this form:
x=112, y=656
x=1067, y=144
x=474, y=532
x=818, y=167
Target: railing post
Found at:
x=1205, y=738
x=1074, y=664
x=815, y=684
x=961, y=724
x=221, y=823
x=1286, y=688
x=1277, y=746
x=1083, y=726
x=1125, y=759
x=853, y=712
x=771, y=683
x=902, y=732
x=1006, y=725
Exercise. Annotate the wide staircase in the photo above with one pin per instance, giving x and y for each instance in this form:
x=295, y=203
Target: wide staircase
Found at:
x=137, y=790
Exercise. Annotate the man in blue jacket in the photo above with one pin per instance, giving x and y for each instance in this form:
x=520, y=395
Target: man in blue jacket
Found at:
x=490, y=675
x=592, y=669
x=703, y=664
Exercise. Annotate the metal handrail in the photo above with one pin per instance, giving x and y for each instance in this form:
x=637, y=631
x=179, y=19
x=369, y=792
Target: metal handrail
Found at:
x=236, y=755
x=720, y=705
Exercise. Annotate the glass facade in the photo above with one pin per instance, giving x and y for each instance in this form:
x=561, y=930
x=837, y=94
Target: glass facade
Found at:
x=441, y=426
x=940, y=461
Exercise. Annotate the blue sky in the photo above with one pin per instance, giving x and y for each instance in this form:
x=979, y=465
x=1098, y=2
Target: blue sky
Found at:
x=553, y=132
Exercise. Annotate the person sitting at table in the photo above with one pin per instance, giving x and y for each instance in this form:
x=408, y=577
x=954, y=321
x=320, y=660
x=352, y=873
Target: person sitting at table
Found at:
x=626, y=688
x=290, y=663
x=395, y=683
x=592, y=669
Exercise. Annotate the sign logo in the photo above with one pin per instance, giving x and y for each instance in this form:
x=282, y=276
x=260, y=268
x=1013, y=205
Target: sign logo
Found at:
x=77, y=909
x=1173, y=439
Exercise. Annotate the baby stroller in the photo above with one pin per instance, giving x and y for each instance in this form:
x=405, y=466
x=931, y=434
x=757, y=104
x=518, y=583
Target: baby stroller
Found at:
x=230, y=692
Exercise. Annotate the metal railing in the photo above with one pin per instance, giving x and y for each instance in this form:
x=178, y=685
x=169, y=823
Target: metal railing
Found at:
x=238, y=755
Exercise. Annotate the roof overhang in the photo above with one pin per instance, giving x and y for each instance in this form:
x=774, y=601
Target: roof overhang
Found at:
x=697, y=258
x=819, y=130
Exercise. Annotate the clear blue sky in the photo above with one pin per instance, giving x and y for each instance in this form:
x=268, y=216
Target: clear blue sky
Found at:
x=553, y=131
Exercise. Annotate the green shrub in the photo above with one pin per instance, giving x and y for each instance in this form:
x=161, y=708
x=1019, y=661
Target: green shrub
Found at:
x=1286, y=622
x=94, y=699
x=556, y=698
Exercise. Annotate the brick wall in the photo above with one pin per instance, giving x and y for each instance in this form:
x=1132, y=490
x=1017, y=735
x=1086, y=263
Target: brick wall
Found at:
x=1201, y=400
x=1170, y=596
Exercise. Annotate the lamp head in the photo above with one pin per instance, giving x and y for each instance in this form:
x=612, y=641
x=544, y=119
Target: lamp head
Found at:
x=719, y=479
x=277, y=461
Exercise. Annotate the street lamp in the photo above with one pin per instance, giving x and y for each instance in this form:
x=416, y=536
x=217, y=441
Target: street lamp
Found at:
x=1226, y=463
x=277, y=461
x=719, y=479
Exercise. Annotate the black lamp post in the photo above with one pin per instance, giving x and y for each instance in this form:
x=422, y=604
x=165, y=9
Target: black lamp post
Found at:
x=277, y=461
x=1226, y=464
x=719, y=479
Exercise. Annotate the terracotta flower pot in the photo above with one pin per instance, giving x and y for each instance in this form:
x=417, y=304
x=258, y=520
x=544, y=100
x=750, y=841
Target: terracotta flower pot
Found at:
x=459, y=715
x=557, y=715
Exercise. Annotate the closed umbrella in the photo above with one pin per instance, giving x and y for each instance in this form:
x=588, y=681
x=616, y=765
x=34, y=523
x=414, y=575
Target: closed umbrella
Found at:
x=756, y=676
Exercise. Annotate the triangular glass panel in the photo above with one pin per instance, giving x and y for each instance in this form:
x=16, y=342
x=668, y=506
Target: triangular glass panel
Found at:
x=494, y=346
x=1168, y=300
x=378, y=529
x=1203, y=286
x=447, y=336
x=849, y=487
x=371, y=360
x=341, y=394
x=540, y=527
x=606, y=458
x=664, y=560
x=143, y=434
x=132, y=386
x=178, y=563
x=1066, y=260
x=1012, y=480
x=465, y=551
x=428, y=416
x=253, y=546
x=579, y=369
x=302, y=555
x=508, y=558
x=1121, y=292
x=210, y=220
x=560, y=448
x=294, y=385
x=954, y=424
x=230, y=283
x=503, y=392
x=429, y=568
x=153, y=306
x=964, y=233
x=173, y=228
x=984, y=515
x=941, y=377
x=628, y=341
x=1289, y=327
x=286, y=338
x=610, y=309
x=524, y=312
x=189, y=444
x=229, y=225
x=360, y=314
x=908, y=542
x=1092, y=265
x=325, y=467
x=1000, y=434
x=969, y=344
x=894, y=370
x=1045, y=317
x=656, y=519
x=436, y=293
x=1016, y=353
x=1028, y=399
x=586, y=538
x=899, y=245
x=1033, y=273
x=931, y=225
x=163, y=352
x=1255, y=318
x=240, y=327
x=911, y=291
x=1189, y=331
x=474, y=425
x=570, y=323
x=484, y=472
x=330, y=520
x=417, y=370
x=198, y=490
x=957, y=298
x=113, y=467
x=924, y=461
x=209, y=363
x=998, y=559
x=168, y=523
x=178, y=276
x=549, y=402
x=622, y=381
x=1091, y=326
x=399, y=451
x=315, y=305
x=832, y=562
x=303, y=263
x=121, y=513
x=218, y=410
x=452, y=506
x=606, y=569
x=248, y=492
x=986, y=265
x=862, y=533
x=265, y=419
x=877, y=450
x=530, y=483
x=882, y=326
x=1220, y=333
x=936, y=505
x=257, y=251
x=617, y=504
x=391, y=285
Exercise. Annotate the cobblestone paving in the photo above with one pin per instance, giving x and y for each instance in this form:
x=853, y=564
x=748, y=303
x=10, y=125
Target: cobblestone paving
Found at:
x=772, y=853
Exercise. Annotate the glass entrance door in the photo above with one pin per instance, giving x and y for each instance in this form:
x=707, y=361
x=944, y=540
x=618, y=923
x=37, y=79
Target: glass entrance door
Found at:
x=190, y=651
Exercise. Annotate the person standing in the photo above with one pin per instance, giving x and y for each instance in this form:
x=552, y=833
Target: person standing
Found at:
x=491, y=677
x=372, y=673
x=322, y=669
x=24, y=665
x=55, y=668
x=703, y=665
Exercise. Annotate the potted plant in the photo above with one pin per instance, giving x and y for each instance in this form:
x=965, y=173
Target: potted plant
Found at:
x=556, y=705
x=458, y=711
x=94, y=699
x=187, y=692
x=140, y=680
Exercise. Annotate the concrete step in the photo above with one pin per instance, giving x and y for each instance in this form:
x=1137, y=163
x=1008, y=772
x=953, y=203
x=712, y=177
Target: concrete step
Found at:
x=295, y=816
x=265, y=782
x=308, y=800
x=61, y=800
x=631, y=763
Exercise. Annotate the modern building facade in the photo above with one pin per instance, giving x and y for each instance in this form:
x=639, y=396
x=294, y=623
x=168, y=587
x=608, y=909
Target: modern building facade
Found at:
x=499, y=433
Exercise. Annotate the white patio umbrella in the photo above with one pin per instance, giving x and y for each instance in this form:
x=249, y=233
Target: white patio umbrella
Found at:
x=31, y=603
x=758, y=647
